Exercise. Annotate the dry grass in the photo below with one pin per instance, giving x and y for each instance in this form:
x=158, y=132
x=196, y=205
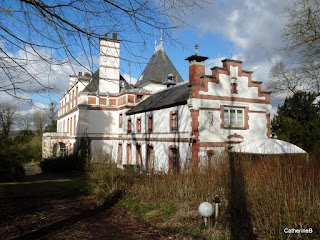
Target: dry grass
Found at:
x=259, y=197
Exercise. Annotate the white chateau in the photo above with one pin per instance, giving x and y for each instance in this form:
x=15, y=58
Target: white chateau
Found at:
x=161, y=123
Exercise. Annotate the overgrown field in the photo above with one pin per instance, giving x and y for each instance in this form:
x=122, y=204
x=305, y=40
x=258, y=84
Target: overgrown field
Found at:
x=259, y=197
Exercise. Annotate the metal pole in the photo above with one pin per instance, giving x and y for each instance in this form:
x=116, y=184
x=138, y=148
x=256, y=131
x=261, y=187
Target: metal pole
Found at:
x=216, y=212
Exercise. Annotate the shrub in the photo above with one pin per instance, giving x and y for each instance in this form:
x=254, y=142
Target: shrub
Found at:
x=105, y=177
x=65, y=163
x=11, y=170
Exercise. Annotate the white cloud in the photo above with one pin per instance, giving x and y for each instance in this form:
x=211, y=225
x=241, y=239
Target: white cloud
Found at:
x=254, y=29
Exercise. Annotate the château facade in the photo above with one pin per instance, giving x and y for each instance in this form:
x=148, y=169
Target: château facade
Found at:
x=161, y=123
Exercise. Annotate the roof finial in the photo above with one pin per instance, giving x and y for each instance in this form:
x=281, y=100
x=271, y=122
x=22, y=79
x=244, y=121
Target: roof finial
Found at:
x=161, y=38
x=155, y=41
x=197, y=49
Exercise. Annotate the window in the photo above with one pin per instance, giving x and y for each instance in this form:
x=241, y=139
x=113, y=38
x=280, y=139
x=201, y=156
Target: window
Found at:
x=174, y=121
x=174, y=160
x=129, y=154
x=139, y=97
x=171, y=77
x=119, y=153
x=150, y=158
x=150, y=124
x=139, y=125
x=120, y=120
x=129, y=125
x=233, y=117
x=138, y=154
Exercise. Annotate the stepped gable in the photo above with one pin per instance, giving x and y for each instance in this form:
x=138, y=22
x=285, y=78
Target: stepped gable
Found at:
x=157, y=69
x=169, y=97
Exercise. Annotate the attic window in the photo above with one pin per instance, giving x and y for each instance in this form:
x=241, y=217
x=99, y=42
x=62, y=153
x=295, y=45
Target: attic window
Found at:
x=171, y=77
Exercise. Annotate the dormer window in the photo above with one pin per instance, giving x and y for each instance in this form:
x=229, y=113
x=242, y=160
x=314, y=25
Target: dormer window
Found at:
x=171, y=78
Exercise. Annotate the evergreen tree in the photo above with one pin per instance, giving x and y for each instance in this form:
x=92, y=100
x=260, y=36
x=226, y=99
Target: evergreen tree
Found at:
x=298, y=121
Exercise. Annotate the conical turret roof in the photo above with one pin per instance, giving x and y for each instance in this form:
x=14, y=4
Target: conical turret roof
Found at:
x=158, y=69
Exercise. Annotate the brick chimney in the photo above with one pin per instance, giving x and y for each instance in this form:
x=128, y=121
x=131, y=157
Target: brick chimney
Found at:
x=196, y=67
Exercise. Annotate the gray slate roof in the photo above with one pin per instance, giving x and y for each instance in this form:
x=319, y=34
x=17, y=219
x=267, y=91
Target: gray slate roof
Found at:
x=93, y=85
x=158, y=69
x=173, y=96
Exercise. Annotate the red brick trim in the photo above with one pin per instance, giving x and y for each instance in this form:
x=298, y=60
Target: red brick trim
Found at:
x=109, y=79
x=254, y=111
x=102, y=45
x=92, y=100
x=235, y=135
x=210, y=109
x=105, y=66
x=106, y=55
x=246, y=117
x=102, y=101
x=170, y=158
x=109, y=40
x=268, y=125
x=108, y=109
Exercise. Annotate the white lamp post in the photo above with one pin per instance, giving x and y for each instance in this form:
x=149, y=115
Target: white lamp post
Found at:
x=206, y=211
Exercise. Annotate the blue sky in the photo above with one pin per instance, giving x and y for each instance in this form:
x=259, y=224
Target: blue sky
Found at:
x=246, y=30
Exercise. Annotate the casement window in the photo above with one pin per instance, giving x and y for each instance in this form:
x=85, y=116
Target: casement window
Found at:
x=174, y=121
x=233, y=117
x=138, y=154
x=138, y=125
x=129, y=154
x=119, y=153
x=129, y=125
x=120, y=120
x=150, y=158
x=174, y=165
x=150, y=123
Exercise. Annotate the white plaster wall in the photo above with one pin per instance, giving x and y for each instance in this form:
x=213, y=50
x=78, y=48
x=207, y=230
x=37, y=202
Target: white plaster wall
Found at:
x=102, y=121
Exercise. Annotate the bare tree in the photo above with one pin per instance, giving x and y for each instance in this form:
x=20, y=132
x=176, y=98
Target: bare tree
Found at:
x=284, y=80
x=8, y=115
x=302, y=36
x=302, y=32
x=39, y=121
x=41, y=36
